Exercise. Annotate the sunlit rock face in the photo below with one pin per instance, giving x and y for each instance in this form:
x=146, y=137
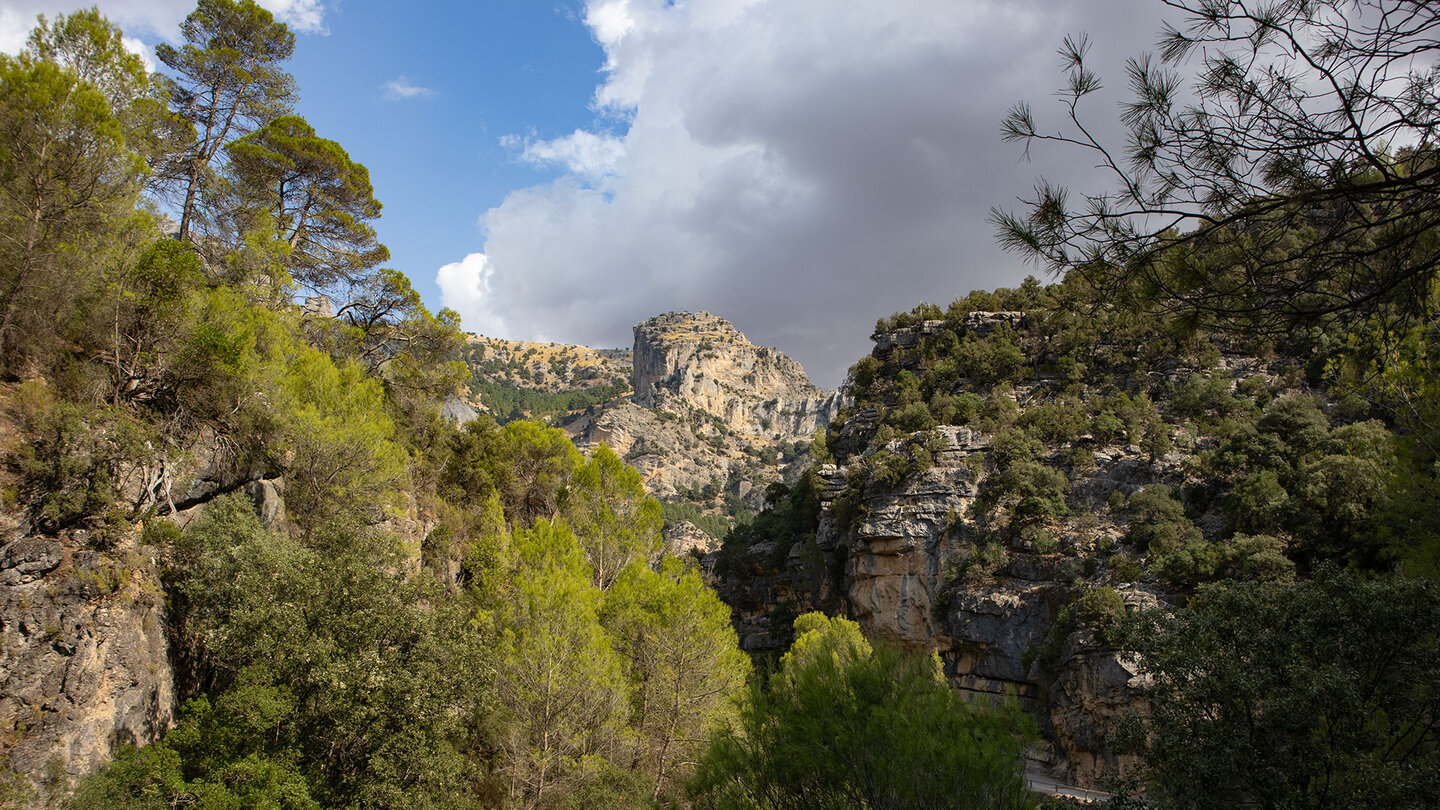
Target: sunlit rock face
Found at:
x=686, y=361
x=84, y=663
x=710, y=409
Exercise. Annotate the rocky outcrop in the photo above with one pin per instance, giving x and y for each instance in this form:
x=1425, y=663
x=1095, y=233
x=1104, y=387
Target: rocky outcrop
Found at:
x=684, y=361
x=84, y=664
x=714, y=419
x=458, y=411
x=684, y=538
x=887, y=560
x=897, y=553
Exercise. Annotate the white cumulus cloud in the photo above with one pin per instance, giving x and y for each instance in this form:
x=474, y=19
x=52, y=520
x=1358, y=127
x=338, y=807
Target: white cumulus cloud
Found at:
x=401, y=88
x=586, y=154
x=303, y=16
x=801, y=167
x=465, y=288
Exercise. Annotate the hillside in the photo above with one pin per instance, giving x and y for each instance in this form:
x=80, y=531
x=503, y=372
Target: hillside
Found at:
x=714, y=421
x=517, y=379
x=1019, y=472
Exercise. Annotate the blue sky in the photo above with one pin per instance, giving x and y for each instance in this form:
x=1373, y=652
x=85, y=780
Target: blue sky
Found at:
x=475, y=72
x=562, y=169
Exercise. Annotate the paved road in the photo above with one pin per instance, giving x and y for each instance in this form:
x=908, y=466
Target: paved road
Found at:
x=1041, y=782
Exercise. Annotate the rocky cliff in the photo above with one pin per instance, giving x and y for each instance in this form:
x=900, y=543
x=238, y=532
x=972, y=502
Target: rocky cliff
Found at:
x=714, y=419
x=966, y=516
x=84, y=663
x=697, y=361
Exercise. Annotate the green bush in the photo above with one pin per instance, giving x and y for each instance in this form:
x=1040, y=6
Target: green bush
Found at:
x=995, y=358
x=1124, y=568
x=1159, y=526
x=1100, y=609
x=1326, y=687
x=976, y=563
x=842, y=724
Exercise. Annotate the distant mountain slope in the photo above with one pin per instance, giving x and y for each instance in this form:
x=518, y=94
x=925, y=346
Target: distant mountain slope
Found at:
x=520, y=379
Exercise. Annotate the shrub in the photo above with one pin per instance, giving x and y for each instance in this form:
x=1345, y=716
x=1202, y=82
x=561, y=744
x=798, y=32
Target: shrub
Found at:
x=843, y=724
x=1124, y=568
x=976, y=563
x=1099, y=609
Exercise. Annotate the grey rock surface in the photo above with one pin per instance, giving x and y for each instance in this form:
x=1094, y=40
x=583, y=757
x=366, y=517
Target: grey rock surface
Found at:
x=84, y=663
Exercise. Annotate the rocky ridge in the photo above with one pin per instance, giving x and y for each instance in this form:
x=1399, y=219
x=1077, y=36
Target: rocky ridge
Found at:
x=698, y=361
x=550, y=367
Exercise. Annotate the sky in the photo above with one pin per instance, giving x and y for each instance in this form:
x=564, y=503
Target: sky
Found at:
x=564, y=169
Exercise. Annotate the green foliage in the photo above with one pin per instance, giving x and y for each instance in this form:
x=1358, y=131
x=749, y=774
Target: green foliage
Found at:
x=319, y=200
x=959, y=409
x=683, y=661
x=842, y=724
x=93, y=49
x=524, y=463
x=976, y=563
x=513, y=402
x=67, y=181
x=67, y=468
x=1293, y=473
x=318, y=659
x=228, y=81
x=1100, y=609
x=333, y=417
x=1124, y=568
x=606, y=506
x=1208, y=401
x=995, y=358
x=791, y=519
x=1159, y=520
x=322, y=666
x=151, y=305
x=820, y=448
x=562, y=692
x=386, y=327
x=1315, y=695
x=71, y=457
x=1054, y=423
x=1032, y=490
x=716, y=526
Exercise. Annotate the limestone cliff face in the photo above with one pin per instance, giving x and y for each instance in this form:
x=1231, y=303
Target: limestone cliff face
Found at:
x=889, y=552
x=84, y=664
x=697, y=360
x=882, y=560
x=713, y=418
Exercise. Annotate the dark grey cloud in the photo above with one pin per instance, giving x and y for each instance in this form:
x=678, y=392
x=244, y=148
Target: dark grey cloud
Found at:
x=801, y=167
